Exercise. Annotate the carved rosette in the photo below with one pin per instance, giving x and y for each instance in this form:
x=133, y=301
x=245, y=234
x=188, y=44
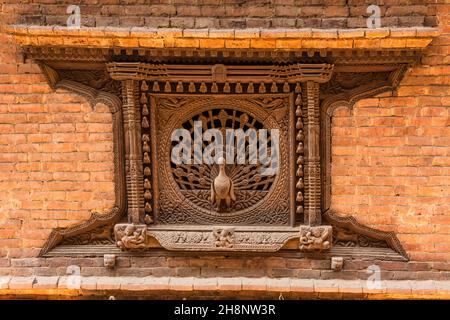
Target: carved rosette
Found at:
x=315, y=238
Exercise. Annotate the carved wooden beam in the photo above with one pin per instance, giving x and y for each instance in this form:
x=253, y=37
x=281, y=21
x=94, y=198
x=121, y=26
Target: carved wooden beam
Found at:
x=292, y=73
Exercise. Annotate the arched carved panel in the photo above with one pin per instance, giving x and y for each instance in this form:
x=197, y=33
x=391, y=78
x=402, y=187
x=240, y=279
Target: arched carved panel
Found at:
x=98, y=228
x=348, y=232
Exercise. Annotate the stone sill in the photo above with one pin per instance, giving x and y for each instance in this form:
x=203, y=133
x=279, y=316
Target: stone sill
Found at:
x=138, y=37
x=17, y=286
x=346, y=252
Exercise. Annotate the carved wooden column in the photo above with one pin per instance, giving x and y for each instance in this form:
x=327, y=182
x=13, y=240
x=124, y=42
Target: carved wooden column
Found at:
x=313, y=236
x=312, y=185
x=133, y=152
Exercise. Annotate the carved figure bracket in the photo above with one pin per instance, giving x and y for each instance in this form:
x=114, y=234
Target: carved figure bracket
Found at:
x=315, y=238
x=130, y=236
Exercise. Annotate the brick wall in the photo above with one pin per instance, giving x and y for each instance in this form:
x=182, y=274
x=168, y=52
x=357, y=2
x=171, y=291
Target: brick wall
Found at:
x=391, y=157
x=391, y=154
x=229, y=13
x=164, y=264
x=56, y=160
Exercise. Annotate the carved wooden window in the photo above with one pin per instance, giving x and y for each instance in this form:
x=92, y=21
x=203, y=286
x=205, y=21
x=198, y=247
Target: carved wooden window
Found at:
x=161, y=203
x=184, y=190
x=266, y=209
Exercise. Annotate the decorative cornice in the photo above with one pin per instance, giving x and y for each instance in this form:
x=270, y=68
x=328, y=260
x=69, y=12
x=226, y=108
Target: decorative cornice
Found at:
x=383, y=38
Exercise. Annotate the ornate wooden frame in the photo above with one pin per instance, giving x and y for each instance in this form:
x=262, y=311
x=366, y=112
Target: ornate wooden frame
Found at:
x=322, y=90
x=194, y=103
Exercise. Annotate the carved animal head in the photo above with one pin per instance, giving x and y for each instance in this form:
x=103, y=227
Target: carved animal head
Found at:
x=221, y=162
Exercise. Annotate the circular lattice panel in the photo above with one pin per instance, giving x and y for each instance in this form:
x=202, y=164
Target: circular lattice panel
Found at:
x=195, y=180
x=185, y=191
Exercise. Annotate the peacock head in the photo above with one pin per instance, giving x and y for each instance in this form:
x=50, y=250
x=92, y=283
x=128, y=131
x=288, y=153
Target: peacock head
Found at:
x=221, y=162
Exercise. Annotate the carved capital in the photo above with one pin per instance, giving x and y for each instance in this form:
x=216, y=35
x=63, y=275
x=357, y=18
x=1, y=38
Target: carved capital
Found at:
x=223, y=237
x=315, y=238
x=131, y=236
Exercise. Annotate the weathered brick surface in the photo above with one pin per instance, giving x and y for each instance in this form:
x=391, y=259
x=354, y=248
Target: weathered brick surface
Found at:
x=225, y=14
x=55, y=155
x=391, y=159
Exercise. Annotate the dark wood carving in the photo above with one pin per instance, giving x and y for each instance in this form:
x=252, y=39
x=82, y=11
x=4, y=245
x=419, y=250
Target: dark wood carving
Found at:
x=101, y=235
x=358, y=60
x=172, y=204
x=131, y=236
x=183, y=191
x=292, y=73
x=349, y=232
x=133, y=151
x=300, y=152
x=315, y=238
x=97, y=79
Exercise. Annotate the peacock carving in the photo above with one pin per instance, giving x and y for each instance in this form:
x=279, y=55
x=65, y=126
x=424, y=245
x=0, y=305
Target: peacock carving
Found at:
x=222, y=189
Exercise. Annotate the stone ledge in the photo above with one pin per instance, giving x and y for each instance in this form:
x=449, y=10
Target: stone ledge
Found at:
x=90, y=285
x=106, y=37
